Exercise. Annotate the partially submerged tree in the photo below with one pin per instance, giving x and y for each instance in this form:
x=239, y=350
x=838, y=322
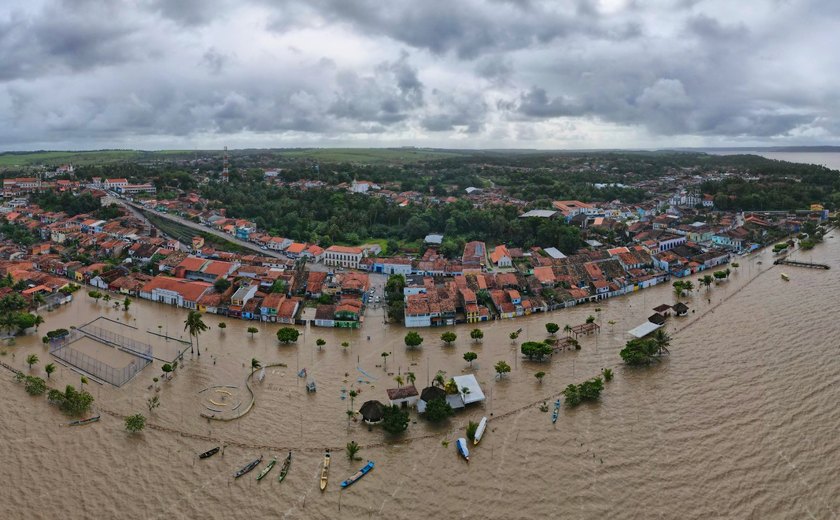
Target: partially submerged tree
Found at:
x=135, y=423
x=476, y=335
x=552, y=328
x=502, y=368
x=470, y=357
x=195, y=326
x=395, y=420
x=413, y=339
x=252, y=331
x=288, y=335
x=449, y=337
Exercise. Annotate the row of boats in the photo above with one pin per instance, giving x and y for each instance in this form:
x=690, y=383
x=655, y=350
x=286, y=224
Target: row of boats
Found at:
x=284, y=470
x=462, y=445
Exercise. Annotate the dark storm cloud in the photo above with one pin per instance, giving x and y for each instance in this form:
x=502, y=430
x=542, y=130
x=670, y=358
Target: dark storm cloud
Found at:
x=89, y=72
x=50, y=42
x=388, y=96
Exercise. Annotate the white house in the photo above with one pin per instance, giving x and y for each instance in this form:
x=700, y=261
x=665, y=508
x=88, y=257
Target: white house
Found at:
x=405, y=396
x=343, y=256
x=112, y=184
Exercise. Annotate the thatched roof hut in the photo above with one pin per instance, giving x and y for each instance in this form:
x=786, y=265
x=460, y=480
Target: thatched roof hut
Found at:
x=681, y=309
x=372, y=412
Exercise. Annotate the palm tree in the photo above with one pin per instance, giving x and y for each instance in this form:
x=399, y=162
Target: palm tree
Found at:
x=49, y=369
x=352, y=449
x=688, y=286
x=384, y=359
x=255, y=364
x=399, y=381
x=31, y=359
x=440, y=379
x=82, y=382
x=464, y=392
x=195, y=326
x=567, y=329
x=410, y=378
x=662, y=341
x=352, y=394
x=39, y=320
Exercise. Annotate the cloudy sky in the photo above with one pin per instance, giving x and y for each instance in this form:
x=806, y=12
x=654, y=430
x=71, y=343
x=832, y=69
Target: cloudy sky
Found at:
x=158, y=74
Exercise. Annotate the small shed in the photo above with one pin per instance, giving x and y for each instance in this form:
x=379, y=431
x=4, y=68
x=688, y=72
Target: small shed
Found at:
x=644, y=329
x=403, y=396
x=663, y=310
x=372, y=412
x=681, y=309
x=657, y=319
x=428, y=394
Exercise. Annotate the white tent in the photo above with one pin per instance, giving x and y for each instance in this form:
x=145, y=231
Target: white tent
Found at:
x=643, y=330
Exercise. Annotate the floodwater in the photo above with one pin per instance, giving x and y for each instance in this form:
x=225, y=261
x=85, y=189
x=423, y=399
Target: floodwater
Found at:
x=740, y=421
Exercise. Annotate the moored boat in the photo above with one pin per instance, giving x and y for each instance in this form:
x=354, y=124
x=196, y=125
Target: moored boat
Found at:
x=80, y=422
x=479, y=432
x=266, y=469
x=251, y=465
x=359, y=474
x=209, y=453
x=785, y=277
x=325, y=470
x=461, y=444
x=285, y=469
x=556, y=411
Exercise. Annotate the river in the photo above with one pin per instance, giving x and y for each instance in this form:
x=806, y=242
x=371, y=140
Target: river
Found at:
x=740, y=421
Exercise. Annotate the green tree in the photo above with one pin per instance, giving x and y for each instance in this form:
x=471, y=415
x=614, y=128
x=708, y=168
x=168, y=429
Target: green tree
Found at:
x=502, y=368
x=413, y=339
x=320, y=342
x=384, y=359
x=34, y=386
x=395, y=420
x=31, y=359
x=135, y=423
x=438, y=410
x=399, y=381
x=252, y=331
x=662, y=340
x=126, y=304
x=95, y=295
x=222, y=326
x=568, y=329
x=152, y=403
x=590, y=319
x=470, y=357
x=539, y=376
x=255, y=365
x=344, y=345
x=608, y=374
x=640, y=351
x=167, y=369
x=439, y=379
x=195, y=326
x=472, y=427
x=71, y=401
x=49, y=369
x=352, y=450
x=552, y=328
x=476, y=335
x=221, y=285
x=589, y=390
x=536, y=350
x=514, y=336
x=287, y=335
x=106, y=298
x=448, y=337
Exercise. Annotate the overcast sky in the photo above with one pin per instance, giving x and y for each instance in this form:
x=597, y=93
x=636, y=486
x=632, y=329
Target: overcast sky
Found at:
x=158, y=74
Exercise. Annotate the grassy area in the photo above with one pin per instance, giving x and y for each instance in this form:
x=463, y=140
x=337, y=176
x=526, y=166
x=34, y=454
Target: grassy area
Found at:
x=185, y=234
x=371, y=155
x=58, y=158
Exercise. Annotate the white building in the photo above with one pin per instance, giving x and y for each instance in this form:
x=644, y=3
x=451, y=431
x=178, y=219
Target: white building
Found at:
x=343, y=256
x=113, y=184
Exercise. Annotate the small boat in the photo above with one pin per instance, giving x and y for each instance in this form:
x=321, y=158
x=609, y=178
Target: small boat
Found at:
x=461, y=444
x=251, y=465
x=261, y=375
x=359, y=474
x=310, y=386
x=480, y=430
x=285, y=469
x=209, y=453
x=556, y=411
x=302, y=372
x=785, y=277
x=325, y=470
x=266, y=469
x=80, y=422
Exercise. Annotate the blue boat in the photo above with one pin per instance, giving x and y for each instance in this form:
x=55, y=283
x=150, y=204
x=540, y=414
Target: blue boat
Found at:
x=359, y=474
x=461, y=444
x=556, y=411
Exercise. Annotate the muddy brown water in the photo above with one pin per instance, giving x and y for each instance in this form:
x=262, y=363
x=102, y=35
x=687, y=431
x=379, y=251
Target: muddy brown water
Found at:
x=740, y=421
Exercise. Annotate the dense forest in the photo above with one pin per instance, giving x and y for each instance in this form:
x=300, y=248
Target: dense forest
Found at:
x=328, y=217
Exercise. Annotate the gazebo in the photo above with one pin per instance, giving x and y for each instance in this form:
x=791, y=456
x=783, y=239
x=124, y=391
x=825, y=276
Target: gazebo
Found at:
x=681, y=309
x=372, y=412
